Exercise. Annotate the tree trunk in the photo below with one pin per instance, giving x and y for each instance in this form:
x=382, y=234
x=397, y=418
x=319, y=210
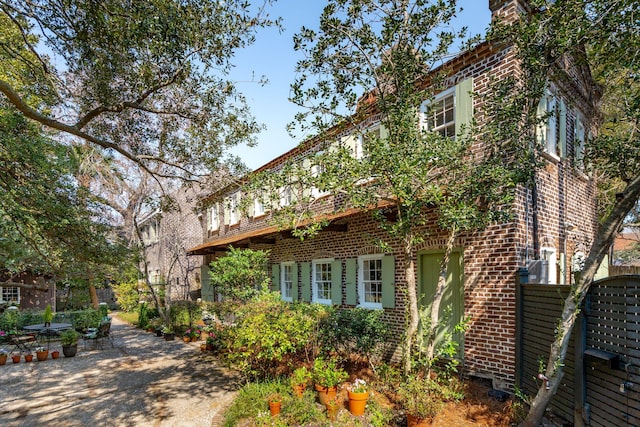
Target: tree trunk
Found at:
x=95, y=303
x=414, y=315
x=434, y=316
x=599, y=248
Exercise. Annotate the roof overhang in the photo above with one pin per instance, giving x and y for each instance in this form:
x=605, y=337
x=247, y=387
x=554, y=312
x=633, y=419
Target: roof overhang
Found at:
x=263, y=235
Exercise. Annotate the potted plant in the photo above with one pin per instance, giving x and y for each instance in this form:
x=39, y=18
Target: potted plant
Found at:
x=333, y=407
x=28, y=356
x=358, y=394
x=419, y=401
x=16, y=358
x=299, y=379
x=69, y=341
x=327, y=377
x=3, y=356
x=42, y=354
x=55, y=354
x=169, y=334
x=47, y=316
x=275, y=403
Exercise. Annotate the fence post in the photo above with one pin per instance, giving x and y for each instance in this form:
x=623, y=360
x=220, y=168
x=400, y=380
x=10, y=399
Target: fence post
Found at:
x=579, y=378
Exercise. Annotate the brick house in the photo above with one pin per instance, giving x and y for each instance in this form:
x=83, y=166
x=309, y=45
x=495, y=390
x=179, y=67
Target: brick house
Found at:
x=551, y=229
x=167, y=236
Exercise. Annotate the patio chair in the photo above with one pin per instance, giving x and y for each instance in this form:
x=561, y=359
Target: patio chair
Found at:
x=99, y=334
x=22, y=342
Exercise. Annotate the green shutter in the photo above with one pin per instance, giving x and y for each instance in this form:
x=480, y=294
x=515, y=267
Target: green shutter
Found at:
x=275, y=277
x=336, y=282
x=294, y=286
x=464, y=106
x=388, y=281
x=205, y=280
x=351, y=284
x=563, y=129
x=305, y=281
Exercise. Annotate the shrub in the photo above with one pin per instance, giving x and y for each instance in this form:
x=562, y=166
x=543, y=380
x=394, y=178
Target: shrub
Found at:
x=268, y=331
x=127, y=295
x=143, y=316
x=184, y=314
x=357, y=331
x=241, y=275
x=88, y=318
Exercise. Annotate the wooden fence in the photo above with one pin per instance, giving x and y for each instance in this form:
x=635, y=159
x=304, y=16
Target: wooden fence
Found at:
x=601, y=383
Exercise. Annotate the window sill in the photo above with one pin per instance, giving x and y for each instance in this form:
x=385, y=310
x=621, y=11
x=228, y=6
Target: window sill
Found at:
x=322, y=301
x=551, y=157
x=370, y=306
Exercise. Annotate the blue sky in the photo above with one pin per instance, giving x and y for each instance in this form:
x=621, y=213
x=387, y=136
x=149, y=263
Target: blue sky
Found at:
x=273, y=56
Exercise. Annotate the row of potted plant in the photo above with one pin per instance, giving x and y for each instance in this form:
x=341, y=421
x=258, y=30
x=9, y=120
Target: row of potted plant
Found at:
x=420, y=397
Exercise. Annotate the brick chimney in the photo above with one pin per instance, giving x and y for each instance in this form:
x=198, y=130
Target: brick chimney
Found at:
x=507, y=10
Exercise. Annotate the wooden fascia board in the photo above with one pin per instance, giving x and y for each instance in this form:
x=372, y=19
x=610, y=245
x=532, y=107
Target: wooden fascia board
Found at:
x=226, y=241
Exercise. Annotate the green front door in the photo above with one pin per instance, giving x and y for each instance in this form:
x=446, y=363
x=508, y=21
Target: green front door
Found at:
x=451, y=310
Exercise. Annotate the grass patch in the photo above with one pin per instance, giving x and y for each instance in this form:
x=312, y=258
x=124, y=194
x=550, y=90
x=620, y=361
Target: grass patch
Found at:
x=130, y=318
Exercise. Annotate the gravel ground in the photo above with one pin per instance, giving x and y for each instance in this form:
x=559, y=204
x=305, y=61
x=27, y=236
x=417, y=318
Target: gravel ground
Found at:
x=142, y=381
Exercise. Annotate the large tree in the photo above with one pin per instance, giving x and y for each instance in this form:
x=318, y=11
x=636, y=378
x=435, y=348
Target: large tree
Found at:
x=604, y=37
x=147, y=80
x=381, y=58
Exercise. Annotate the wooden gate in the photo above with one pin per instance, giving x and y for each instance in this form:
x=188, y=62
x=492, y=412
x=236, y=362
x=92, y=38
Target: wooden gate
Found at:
x=601, y=385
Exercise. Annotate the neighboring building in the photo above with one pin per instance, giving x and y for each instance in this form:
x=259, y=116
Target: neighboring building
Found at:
x=552, y=228
x=27, y=291
x=166, y=237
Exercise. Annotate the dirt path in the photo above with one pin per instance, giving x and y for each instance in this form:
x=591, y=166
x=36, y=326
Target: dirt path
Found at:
x=142, y=381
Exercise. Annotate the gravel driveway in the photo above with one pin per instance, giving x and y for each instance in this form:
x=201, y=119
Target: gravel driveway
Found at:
x=142, y=381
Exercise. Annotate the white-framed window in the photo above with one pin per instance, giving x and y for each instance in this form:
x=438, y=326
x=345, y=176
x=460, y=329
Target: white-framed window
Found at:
x=10, y=294
x=370, y=281
x=321, y=286
x=213, y=217
x=372, y=134
x=258, y=206
x=150, y=232
x=286, y=196
x=548, y=253
x=439, y=114
x=232, y=203
x=286, y=281
x=579, y=140
x=546, y=128
x=316, y=172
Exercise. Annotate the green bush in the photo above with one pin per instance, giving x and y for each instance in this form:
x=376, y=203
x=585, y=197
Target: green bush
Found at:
x=360, y=332
x=127, y=295
x=89, y=318
x=184, y=314
x=241, y=274
x=143, y=316
x=268, y=331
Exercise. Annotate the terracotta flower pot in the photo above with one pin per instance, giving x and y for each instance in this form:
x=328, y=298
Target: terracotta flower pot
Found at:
x=413, y=421
x=28, y=357
x=15, y=358
x=326, y=393
x=186, y=339
x=3, y=359
x=42, y=355
x=55, y=354
x=357, y=402
x=332, y=411
x=298, y=389
x=275, y=407
x=194, y=339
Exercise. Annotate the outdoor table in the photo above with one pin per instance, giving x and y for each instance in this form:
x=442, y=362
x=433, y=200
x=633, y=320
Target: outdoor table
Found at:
x=51, y=329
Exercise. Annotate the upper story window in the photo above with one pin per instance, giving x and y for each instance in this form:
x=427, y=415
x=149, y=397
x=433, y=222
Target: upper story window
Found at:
x=546, y=128
x=439, y=115
x=321, y=286
x=578, y=140
x=10, y=294
x=368, y=137
x=150, y=232
x=286, y=196
x=286, y=281
x=232, y=204
x=213, y=218
x=370, y=281
x=258, y=206
x=316, y=172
